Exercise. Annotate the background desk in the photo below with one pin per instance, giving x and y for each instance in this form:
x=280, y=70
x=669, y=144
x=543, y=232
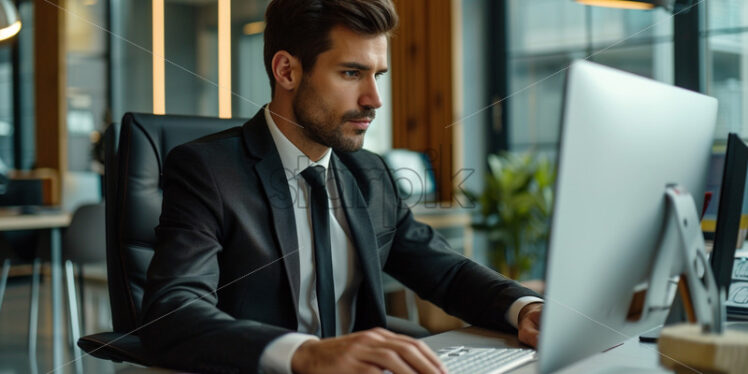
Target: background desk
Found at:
x=453, y=224
x=52, y=220
x=631, y=357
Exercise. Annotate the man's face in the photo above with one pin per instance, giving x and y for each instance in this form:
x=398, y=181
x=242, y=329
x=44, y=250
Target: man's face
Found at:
x=336, y=100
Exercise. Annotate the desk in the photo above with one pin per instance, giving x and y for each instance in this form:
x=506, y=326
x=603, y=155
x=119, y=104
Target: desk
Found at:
x=631, y=357
x=53, y=221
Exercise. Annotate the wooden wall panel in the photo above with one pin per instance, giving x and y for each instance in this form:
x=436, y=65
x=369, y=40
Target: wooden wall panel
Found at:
x=50, y=86
x=440, y=92
x=422, y=79
x=408, y=82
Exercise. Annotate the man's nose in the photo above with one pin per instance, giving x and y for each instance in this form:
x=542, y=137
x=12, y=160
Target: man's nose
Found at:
x=370, y=96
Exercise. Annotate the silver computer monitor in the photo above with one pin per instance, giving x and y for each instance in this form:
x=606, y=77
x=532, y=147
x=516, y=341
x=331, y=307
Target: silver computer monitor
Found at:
x=624, y=138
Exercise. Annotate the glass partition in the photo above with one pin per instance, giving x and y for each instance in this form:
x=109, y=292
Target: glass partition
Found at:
x=724, y=31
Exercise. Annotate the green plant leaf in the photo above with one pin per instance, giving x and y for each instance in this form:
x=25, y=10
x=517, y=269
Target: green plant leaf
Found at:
x=515, y=206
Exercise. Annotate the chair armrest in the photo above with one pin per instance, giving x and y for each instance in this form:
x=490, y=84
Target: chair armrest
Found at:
x=119, y=347
x=116, y=347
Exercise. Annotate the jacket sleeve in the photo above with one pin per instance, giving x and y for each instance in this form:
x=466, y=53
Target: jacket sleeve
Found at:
x=422, y=260
x=182, y=326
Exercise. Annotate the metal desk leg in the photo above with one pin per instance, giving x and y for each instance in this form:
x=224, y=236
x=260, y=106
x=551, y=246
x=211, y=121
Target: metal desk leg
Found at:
x=34, y=314
x=57, y=330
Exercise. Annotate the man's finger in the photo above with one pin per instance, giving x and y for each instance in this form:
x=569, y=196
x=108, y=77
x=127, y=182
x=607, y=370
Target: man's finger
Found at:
x=419, y=345
x=535, y=317
x=528, y=334
x=534, y=335
x=413, y=356
x=385, y=359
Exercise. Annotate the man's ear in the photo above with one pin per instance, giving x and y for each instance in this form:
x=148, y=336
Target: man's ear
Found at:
x=286, y=70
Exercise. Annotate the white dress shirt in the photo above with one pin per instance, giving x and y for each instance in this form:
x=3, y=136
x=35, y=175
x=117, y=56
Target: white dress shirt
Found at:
x=276, y=358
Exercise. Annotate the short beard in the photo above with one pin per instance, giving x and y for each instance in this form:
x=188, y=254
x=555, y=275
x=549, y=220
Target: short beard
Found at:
x=321, y=126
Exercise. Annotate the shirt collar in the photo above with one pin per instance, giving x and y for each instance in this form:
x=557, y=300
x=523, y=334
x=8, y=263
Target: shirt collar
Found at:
x=294, y=160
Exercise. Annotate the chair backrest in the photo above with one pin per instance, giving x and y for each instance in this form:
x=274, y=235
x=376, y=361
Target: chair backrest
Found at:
x=84, y=240
x=134, y=160
x=414, y=175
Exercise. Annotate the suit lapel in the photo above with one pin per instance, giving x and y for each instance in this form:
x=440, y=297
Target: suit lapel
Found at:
x=270, y=171
x=269, y=168
x=364, y=240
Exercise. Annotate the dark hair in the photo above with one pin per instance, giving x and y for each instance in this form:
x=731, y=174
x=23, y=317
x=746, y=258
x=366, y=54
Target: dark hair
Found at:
x=302, y=27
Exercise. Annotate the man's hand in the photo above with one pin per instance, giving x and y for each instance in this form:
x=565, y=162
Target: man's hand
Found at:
x=528, y=324
x=370, y=351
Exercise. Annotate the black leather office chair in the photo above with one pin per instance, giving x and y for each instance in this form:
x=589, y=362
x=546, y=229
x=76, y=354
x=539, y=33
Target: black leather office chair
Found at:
x=133, y=197
x=134, y=158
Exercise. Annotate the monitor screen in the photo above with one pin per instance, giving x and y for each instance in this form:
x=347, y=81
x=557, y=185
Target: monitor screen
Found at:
x=730, y=231
x=624, y=140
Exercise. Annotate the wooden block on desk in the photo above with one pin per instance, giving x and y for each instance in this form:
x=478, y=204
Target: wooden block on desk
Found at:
x=684, y=348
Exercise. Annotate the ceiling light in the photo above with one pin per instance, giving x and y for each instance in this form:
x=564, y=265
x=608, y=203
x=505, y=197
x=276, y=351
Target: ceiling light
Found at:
x=10, y=25
x=675, y=6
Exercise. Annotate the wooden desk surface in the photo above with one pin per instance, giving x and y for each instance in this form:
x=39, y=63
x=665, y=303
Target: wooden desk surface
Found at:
x=11, y=219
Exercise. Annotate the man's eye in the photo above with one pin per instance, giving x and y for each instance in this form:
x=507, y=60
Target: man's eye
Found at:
x=351, y=73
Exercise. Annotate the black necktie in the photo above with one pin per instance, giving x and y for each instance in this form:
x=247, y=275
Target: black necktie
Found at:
x=315, y=177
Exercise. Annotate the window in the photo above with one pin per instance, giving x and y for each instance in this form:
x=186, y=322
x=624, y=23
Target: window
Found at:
x=250, y=79
x=546, y=35
x=724, y=67
x=24, y=143
x=191, y=40
x=191, y=66
x=87, y=80
x=131, y=62
x=6, y=105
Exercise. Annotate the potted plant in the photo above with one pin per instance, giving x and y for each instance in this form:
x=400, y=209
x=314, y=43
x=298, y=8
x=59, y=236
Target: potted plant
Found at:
x=515, y=207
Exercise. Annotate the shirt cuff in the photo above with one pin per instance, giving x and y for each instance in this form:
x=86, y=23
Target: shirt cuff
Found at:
x=512, y=314
x=276, y=358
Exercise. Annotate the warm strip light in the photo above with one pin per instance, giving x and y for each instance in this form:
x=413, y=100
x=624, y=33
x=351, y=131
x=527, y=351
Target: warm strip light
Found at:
x=159, y=54
x=224, y=58
x=10, y=31
x=624, y=4
x=254, y=28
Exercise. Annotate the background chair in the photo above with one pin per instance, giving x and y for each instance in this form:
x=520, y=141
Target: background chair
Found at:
x=414, y=175
x=83, y=242
x=25, y=196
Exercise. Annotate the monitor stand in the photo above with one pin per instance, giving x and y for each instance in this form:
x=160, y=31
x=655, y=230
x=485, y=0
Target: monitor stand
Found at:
x=651, y=336
x=697, y=286
x=703, y=343
x=700, y=300
x=676, y=315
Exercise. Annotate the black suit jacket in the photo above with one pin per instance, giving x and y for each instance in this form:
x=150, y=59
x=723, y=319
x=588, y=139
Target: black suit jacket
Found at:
x=224, y=280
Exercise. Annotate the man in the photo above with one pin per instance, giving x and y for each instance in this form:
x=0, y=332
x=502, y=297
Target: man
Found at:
x=276, y=233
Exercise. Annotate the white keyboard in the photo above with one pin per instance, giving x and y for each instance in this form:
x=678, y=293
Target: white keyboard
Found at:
x=469, y=360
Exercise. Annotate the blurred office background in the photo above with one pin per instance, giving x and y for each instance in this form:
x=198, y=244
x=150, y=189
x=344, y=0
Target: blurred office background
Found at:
x=468, y=78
